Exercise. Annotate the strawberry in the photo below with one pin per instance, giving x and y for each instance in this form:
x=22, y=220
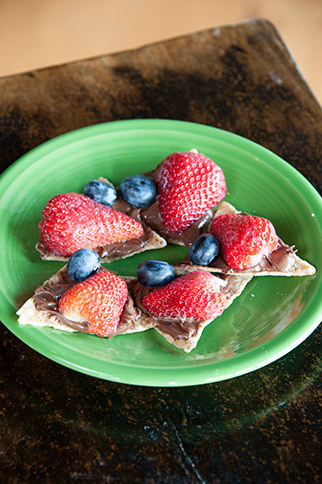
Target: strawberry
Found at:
x=72, y=221
x=99, y=300
x=244, y=239
x=188, y=184
x=195, y=295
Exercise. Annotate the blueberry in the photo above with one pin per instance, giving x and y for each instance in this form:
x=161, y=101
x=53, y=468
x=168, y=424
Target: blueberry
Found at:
x=100, y=192
x=204, y=249
x=138, y=190
x=155, y=273
x=83, y=264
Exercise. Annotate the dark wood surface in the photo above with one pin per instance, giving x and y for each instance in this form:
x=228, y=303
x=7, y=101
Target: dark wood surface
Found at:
x=58, y=425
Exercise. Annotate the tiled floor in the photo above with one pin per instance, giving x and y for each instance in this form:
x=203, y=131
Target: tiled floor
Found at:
x=37, y=33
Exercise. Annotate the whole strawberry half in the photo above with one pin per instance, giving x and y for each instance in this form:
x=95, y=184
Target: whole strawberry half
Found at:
x=195, y=295
x=72, y=221
x=244, y=239
x=188, y=184
x=99, y=300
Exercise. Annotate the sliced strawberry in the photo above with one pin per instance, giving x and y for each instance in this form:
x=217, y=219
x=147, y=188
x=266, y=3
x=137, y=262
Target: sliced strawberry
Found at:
x=99, y=300
x=244, y=239
x=72, y=221
x=195, y=295
x=188, y=184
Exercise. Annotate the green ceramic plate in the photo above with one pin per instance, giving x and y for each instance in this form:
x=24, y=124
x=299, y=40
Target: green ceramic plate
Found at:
x=270, y=318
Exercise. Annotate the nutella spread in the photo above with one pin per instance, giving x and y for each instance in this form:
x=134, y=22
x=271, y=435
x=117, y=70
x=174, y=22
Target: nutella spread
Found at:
x=152, y=217
x=46, y=298
x=178, y=328
x=116, y=249
x=122, y=206
x=130, y=314
x=121, y=249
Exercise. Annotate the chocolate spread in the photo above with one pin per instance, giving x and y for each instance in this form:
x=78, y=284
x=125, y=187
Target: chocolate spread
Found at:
x=121, y=249
x=46, y=298
x=152, y=217
x=280, y=260
x=114, y=250
x=178, y=328
x=122, y=206
x=128, y=318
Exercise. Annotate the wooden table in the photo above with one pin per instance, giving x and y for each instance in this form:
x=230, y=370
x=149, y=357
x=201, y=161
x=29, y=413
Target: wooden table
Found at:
x=58, y=425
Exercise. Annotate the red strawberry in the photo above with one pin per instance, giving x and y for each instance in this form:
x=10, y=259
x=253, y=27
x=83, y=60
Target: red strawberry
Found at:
x=244, y=239
x=72, y=221
x=195, y=295
x=99, y=300
x=188, y=185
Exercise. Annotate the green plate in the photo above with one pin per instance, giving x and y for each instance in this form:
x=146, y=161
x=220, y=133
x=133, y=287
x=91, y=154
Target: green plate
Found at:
x=271, y=317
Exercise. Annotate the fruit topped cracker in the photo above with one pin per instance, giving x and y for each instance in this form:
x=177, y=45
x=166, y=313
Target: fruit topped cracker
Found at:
x=239, y=243
x=107, y=305
x=72, y=221
x=179, y=202
x=181, y=192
